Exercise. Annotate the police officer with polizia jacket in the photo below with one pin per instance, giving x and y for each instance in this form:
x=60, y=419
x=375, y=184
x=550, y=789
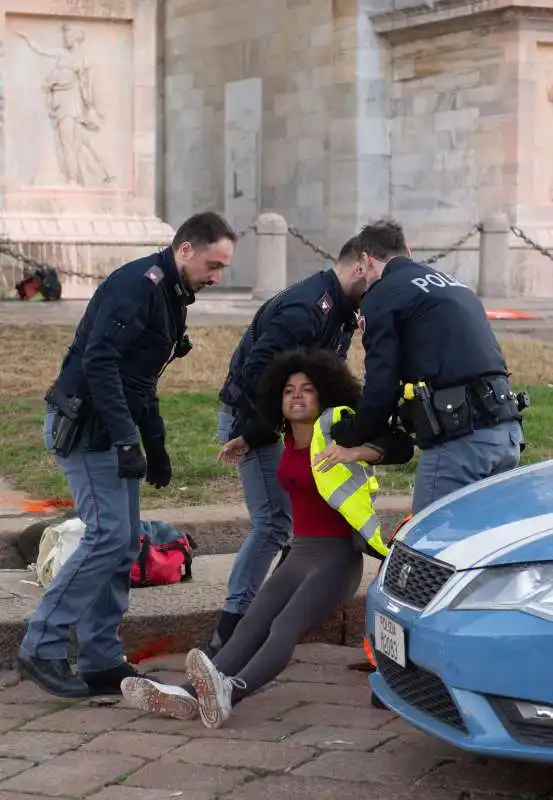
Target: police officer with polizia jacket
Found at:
x=101, y=406
x=317, y=312
x=428, y=333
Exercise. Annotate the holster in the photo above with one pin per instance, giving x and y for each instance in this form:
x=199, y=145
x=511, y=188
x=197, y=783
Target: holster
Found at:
x=68, y=423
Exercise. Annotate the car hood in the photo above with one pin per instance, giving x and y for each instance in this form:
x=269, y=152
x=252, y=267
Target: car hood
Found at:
x=507, y=519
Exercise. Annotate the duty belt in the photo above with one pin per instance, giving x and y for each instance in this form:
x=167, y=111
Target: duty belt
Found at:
x=440, y=415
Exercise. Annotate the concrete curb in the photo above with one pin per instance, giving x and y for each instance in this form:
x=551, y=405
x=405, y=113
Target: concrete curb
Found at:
x=186, y=613
x=216, y=528
x=182, y=614
x=199, y=515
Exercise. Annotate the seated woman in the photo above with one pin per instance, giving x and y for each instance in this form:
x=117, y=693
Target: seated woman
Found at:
x=322, y=570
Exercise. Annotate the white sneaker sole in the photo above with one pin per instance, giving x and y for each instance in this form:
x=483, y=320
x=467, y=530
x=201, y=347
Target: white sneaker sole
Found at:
x=149, y=696
x=203, y=674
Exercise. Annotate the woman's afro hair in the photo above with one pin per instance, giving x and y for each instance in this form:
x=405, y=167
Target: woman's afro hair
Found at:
x=331, y=377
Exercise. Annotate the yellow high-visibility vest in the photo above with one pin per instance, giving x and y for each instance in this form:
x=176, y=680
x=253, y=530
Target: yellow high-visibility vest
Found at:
x=347, y=487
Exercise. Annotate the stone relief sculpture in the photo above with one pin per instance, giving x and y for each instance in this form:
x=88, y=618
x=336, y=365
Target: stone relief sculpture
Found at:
x=550, y=98
x=72, y=110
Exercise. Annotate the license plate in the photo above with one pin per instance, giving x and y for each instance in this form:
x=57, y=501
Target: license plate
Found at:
x=389, y=639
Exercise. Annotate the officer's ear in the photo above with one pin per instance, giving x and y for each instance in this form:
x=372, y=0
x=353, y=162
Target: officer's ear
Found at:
x=364, y=263
x=409, y=253
x=185, y=251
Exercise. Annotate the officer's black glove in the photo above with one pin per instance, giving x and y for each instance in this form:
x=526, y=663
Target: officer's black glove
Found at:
x=159, y=472
x=346, y=432
x=256, y=434
x=396, y=447
x=132, y=463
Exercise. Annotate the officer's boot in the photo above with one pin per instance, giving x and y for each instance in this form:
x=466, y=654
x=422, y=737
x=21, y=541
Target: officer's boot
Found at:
x=51, y=675
x=224, y=630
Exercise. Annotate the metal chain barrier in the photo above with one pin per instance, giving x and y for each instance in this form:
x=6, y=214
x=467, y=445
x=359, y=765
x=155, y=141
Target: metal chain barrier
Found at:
x=296, y=233
x=293, y=231
x=527, y=240
x=28, y=261
x=455, y=246
x=247, y=229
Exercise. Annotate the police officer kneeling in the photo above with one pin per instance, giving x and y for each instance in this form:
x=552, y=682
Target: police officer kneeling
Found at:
x=102, y=403
x=428, y=331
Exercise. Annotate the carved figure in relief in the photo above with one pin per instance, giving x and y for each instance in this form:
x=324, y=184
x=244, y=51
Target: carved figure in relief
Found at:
x=550, y=98
x=72, y=110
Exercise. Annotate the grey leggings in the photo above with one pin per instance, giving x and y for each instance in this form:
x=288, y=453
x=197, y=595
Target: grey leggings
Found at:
x=318, y=575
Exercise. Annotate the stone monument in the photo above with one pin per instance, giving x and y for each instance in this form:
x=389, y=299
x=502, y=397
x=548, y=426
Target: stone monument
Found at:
x=78, y=134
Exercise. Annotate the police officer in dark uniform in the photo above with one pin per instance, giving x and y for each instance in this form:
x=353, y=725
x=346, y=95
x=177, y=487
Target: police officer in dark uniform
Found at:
x=429, y=344
x=319, y=311
x=102, y=405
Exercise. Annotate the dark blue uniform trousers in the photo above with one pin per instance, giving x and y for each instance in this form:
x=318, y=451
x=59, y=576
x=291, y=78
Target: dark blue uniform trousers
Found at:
x=91, y=591
x=461, y=462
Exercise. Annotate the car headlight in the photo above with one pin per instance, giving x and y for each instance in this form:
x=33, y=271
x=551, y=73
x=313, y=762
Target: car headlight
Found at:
x=524, y=587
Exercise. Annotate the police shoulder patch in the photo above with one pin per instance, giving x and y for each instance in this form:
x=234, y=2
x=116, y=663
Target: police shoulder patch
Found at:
x=154, y=274
x=325, y=303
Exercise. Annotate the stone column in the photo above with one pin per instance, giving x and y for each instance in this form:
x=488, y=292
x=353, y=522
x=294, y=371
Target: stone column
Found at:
x=270, y=268
x=494, y=273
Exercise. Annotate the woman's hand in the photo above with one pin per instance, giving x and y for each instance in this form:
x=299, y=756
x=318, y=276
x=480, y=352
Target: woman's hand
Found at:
x=231, y=453
x=336, y=454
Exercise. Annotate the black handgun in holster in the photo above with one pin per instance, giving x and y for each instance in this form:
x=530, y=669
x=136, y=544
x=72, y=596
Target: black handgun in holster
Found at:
x=438, y=415
x=68, y=423
x=418, y=414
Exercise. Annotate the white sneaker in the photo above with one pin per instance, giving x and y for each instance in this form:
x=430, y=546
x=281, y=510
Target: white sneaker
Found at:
x=157, y=698
x=214, y=689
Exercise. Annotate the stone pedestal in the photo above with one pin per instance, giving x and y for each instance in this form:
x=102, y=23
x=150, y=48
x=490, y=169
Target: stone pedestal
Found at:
x=77, y=137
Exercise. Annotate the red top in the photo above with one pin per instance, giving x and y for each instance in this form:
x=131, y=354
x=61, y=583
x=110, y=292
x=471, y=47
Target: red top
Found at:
x=311, y=515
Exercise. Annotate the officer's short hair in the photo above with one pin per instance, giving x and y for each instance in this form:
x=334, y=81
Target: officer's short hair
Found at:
x=382, y=239
x=352, y=250
x=202, y=229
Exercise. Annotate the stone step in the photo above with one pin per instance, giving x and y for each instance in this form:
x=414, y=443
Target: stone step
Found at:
x=184, y=612
x=216, y=528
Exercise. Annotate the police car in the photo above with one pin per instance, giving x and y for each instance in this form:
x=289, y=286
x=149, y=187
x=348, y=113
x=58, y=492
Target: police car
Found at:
x=461, y=618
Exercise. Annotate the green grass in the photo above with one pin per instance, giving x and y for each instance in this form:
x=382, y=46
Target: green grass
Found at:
x=191, y=420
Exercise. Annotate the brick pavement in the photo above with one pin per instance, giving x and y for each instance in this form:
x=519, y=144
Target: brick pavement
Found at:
x=312, y=734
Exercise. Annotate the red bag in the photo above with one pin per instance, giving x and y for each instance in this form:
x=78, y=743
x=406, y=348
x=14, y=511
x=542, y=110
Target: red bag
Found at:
x=161, y=564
